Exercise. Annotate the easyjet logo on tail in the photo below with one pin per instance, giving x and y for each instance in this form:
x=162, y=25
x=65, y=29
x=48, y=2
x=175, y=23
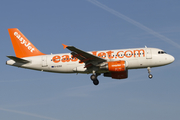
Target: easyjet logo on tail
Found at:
x=23, y=41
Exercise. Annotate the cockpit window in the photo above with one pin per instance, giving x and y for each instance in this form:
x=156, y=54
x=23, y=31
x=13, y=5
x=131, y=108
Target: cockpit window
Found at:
x=161, y=52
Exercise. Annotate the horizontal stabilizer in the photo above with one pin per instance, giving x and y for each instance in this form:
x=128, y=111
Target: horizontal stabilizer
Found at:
x=19, y=60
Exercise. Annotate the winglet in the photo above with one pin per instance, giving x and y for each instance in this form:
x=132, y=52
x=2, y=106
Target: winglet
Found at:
x=65, y=46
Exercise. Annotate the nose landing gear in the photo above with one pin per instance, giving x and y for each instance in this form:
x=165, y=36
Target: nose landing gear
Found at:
x=149, y=71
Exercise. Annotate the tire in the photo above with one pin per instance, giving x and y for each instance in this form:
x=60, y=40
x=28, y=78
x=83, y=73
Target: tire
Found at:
x=96, y=82
x=93, y=77
x=150, y=76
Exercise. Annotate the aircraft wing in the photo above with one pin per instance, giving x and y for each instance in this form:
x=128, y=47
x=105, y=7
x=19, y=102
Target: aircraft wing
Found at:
x=87, y=58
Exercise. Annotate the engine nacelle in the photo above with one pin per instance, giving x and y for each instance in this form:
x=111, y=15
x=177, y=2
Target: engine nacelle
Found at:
x=115, y=66
x=116, y=69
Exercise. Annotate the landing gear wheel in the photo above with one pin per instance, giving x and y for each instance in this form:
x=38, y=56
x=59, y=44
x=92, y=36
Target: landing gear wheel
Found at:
x=149, y=71
x=150, y=76
x=93, y=77
x=96, y=82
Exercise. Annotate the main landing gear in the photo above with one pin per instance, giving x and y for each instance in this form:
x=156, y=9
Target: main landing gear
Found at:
x=149, y=71
x=94, y=78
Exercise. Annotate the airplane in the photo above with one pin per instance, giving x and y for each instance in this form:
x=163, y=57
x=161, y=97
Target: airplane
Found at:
x=110, y=63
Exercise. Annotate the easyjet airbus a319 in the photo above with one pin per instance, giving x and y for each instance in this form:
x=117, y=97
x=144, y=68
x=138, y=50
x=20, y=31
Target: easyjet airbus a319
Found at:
x=110, y=63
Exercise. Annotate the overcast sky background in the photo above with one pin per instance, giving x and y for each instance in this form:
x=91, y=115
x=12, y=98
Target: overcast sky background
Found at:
x=90, y=25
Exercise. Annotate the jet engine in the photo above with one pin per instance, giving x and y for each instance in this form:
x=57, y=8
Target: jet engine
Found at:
x=114, y=66
x=116, y=69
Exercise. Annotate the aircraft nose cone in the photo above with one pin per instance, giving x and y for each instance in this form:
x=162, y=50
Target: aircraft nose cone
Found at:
x=171, y=58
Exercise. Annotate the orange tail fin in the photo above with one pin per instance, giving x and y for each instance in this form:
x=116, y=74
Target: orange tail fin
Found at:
x=22, y=46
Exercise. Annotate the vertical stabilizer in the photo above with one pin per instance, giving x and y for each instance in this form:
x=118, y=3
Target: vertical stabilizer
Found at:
x=22, y=46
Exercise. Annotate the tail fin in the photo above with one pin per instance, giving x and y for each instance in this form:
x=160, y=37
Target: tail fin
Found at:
x=22, y=46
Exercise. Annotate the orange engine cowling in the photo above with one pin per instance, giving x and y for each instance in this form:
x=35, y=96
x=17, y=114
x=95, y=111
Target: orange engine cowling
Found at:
x=116, y=69
x=117, y=66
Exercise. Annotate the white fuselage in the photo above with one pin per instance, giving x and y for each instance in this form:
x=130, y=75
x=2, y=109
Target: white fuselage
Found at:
x=64, y=63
